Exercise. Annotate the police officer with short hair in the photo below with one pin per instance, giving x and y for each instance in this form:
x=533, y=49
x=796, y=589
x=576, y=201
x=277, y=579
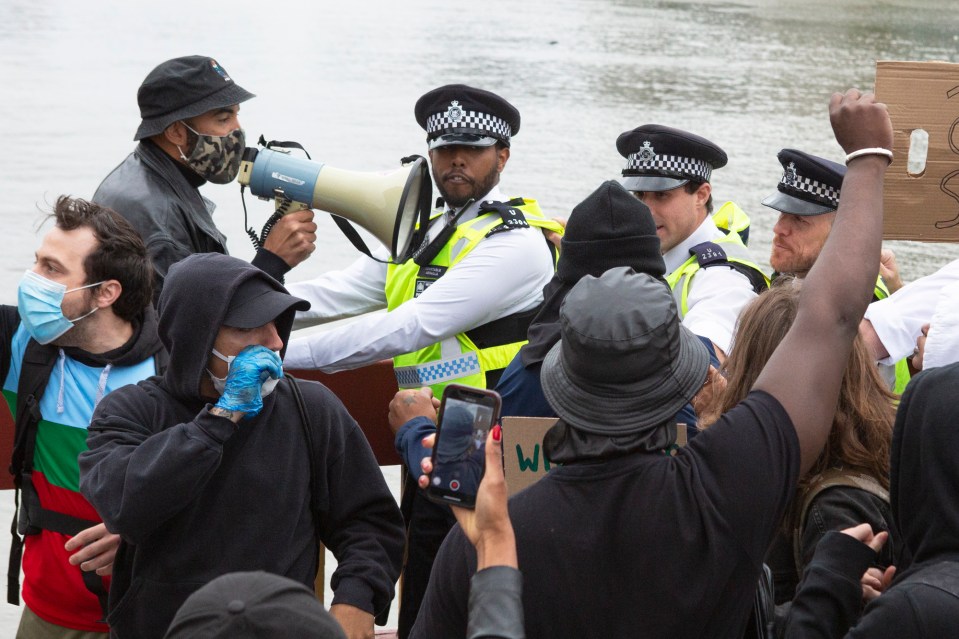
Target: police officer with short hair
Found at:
x=459, y=309
x=708, y=265
x=807, y=197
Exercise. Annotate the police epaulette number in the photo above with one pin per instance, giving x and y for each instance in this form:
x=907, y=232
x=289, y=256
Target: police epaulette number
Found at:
x=512, y=217
x=709, y=253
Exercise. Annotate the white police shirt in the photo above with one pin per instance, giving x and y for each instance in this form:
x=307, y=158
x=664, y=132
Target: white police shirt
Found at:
x=502, y=275
x=716, y=294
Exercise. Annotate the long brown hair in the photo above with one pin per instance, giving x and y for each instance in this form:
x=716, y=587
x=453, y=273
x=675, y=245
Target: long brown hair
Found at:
x=861, y=434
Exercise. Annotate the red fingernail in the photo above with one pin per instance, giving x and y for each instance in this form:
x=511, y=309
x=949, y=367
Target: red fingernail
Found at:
x=497, y=433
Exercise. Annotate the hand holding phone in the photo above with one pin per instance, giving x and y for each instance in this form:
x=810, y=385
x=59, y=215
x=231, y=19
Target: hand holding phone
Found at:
x=487, y=525
x=459, y=454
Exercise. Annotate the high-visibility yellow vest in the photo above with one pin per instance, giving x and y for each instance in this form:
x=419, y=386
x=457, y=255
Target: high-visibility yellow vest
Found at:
x=729, y=250
x=459, y=359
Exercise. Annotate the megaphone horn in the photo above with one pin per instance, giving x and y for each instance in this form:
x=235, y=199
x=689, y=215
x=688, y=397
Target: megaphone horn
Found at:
x=387, y=204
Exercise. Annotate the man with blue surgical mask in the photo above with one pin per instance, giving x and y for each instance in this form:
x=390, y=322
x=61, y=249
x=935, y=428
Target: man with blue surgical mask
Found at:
x=224, y=464
x=84, y=326
x=190, y=134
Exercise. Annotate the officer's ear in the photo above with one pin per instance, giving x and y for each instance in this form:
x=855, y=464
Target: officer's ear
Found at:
x=502, y=156
x=703, y=193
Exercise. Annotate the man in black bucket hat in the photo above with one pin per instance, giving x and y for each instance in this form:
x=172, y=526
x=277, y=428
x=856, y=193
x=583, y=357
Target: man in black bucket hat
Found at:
x=622, y=540
x=190, y=134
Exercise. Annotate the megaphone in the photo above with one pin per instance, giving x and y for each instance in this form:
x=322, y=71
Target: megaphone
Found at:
x=387, y=204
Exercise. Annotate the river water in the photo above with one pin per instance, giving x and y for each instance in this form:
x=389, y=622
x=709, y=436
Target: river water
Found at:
x=341, y=78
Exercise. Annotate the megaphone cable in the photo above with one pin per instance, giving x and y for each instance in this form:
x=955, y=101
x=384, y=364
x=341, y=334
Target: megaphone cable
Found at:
x=257, y=244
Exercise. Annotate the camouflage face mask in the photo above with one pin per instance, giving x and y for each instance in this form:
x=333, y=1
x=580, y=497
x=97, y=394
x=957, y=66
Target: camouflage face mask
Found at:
x=216, y=158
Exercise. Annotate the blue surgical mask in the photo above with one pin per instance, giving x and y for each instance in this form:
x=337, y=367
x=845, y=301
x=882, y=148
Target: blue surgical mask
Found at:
x=39, y=300
x=219, y=383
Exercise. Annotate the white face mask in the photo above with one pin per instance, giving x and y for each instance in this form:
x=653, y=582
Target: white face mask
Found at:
x=219, y=383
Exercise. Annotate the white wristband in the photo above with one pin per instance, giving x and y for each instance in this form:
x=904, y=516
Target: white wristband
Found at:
x=878, y=150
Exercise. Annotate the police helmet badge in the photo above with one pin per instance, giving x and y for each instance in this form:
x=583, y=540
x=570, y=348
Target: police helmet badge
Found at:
x=646, y=153
x=455, y=111
x=790, y=177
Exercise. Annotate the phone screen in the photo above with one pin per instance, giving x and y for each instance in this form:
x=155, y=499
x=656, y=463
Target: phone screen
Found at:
x=459, y=455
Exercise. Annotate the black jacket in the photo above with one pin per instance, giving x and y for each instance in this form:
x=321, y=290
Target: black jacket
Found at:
x=923, y=601
x=835, y=508
x=173, y=218
x=195, y=496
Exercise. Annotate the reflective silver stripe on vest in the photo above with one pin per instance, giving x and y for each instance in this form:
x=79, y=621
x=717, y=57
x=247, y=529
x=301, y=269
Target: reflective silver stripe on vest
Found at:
x=438, y=372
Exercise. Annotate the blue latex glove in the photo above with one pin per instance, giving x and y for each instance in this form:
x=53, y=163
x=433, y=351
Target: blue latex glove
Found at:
x=252, y=366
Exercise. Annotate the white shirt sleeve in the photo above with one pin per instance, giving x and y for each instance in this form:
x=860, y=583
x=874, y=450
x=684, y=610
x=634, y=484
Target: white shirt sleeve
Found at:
x=942, y=344
x=357, y=289
x=504, y=274
x=898, y=319
x=717, y=294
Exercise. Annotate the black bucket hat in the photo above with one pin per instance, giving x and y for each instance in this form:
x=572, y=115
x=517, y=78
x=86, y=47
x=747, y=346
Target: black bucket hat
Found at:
x=624, y=364
x=183, y=88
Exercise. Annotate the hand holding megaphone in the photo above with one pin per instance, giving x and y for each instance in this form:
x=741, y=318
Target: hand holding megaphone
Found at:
x=293, y=237
x=387, y=204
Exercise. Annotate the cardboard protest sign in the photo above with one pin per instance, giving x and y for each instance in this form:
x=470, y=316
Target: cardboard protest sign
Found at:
x=523, y=457
x=921, y=203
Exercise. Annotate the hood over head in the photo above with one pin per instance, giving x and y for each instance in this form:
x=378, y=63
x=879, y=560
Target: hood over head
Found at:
x=198, y=294
x=924, y=468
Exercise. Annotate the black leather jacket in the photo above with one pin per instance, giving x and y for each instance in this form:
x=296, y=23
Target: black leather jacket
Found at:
x=172, y=217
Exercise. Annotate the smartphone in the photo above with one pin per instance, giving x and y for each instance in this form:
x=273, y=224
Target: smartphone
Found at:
x=459, y=453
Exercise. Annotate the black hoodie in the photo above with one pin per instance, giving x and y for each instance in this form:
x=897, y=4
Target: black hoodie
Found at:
x=923, y=601
x=195, y=496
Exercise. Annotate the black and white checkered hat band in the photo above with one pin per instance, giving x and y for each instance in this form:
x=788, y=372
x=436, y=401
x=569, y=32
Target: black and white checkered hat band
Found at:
x=822, y=193
x=670, y=165
x=468, y=122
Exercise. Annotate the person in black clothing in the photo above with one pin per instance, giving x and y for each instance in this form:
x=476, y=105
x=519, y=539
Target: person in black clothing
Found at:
x=923, y=600
x=190, y=134
x=623, y=540
x=215, y=467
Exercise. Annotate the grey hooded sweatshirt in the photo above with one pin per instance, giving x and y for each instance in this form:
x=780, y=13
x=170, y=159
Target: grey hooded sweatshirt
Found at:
x=194, y=496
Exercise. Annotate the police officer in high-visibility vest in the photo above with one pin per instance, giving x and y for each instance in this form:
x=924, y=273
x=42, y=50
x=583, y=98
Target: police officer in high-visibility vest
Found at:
x=708, y=266
x=458, y=311
x=807, y=197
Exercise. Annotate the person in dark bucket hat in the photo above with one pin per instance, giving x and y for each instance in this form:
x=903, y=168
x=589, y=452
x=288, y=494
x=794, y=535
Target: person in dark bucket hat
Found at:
x=621, y=539
x=708, y=265
x=190, y=134
x=624, y=363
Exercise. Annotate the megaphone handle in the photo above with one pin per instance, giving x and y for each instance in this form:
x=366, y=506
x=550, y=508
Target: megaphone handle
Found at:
x=284, y=206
